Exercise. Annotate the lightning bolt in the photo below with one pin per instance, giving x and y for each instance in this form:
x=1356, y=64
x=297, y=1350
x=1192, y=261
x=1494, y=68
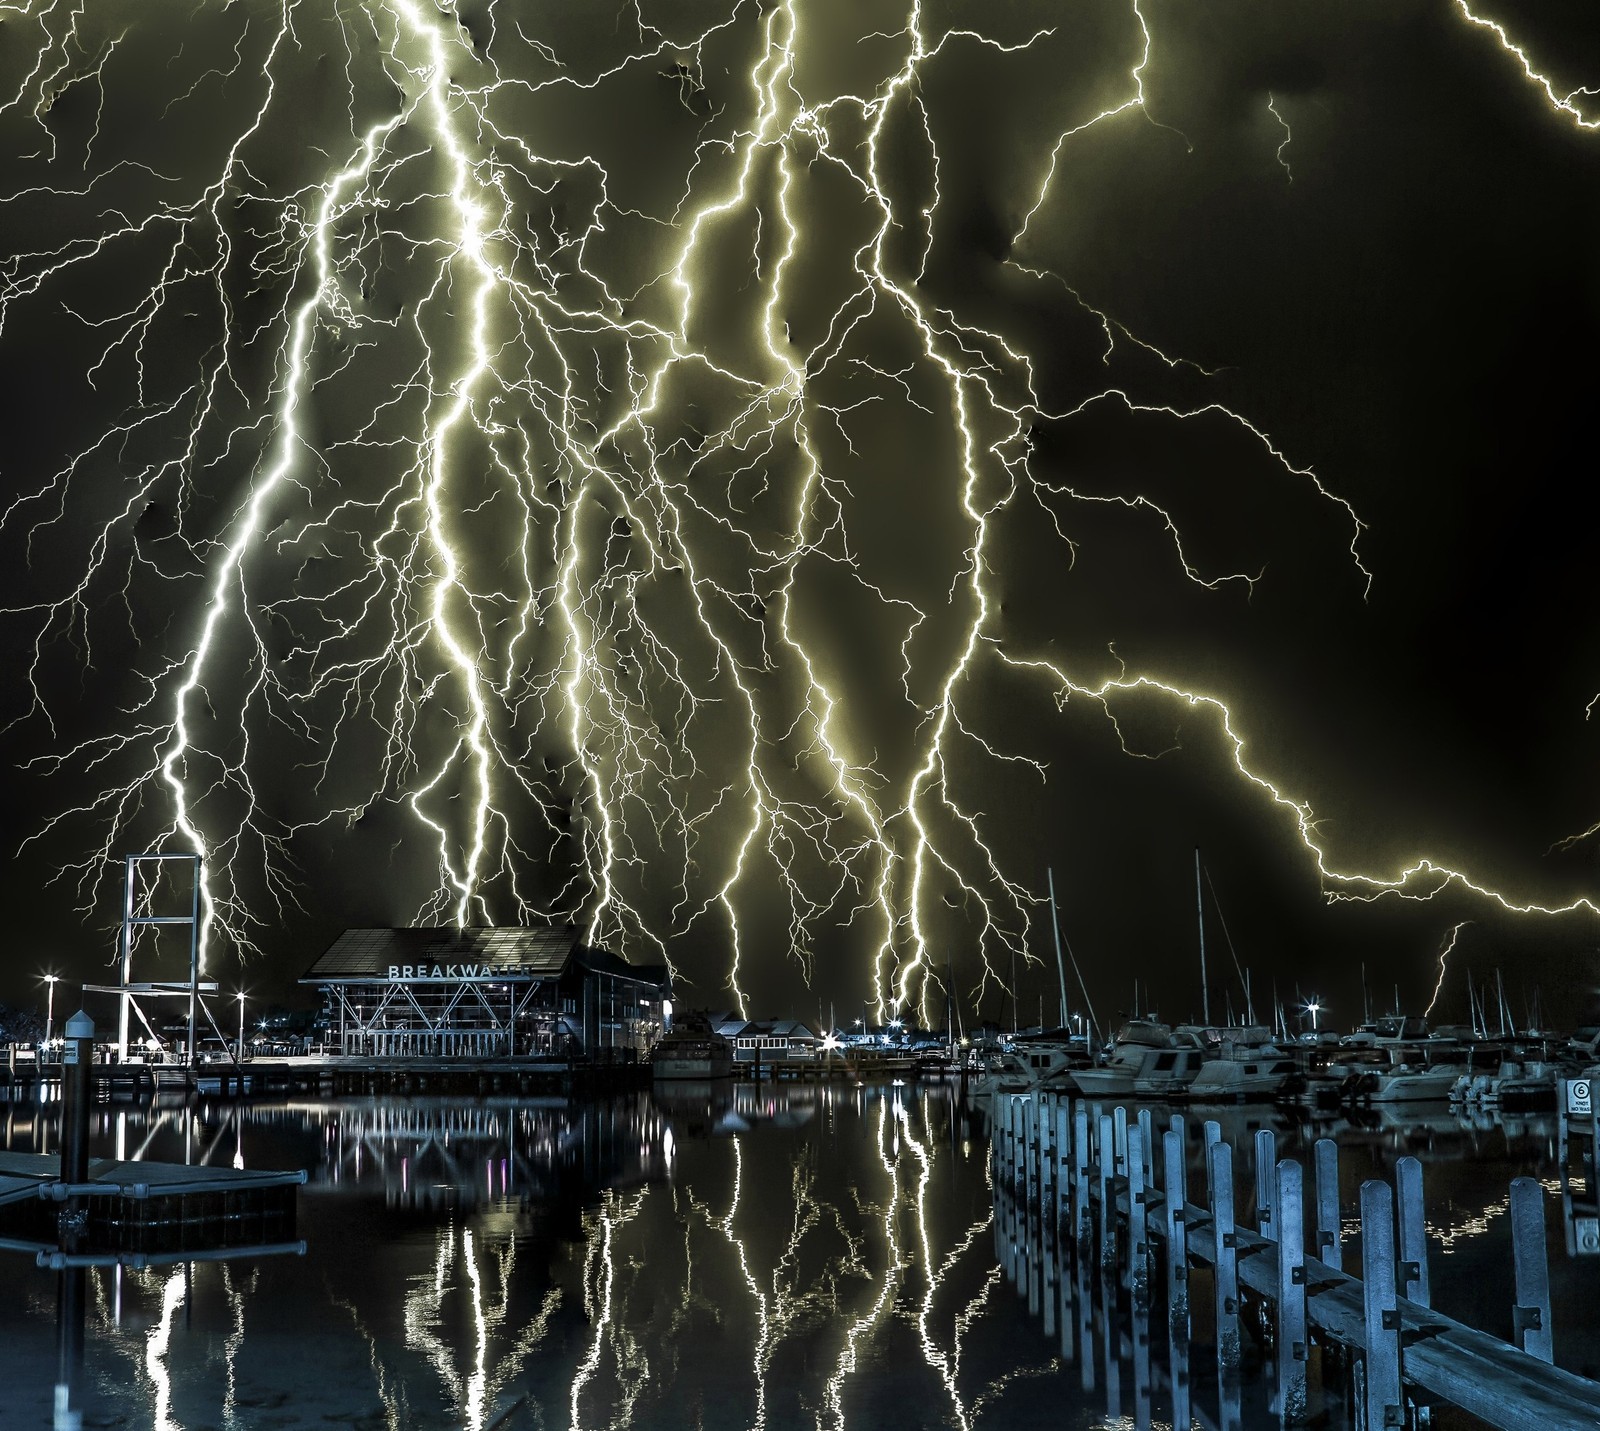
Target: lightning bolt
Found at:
x=495, y=499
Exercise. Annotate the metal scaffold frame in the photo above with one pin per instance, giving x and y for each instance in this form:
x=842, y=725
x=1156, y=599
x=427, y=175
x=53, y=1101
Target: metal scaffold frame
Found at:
x=127, y=990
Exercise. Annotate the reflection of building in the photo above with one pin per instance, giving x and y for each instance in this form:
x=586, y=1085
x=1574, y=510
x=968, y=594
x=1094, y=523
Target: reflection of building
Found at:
x=484, y=992
x=453, y=1153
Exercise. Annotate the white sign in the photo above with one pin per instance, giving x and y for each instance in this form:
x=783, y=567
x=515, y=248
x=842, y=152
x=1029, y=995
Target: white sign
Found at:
x=446, y=971
x=1580, y=1098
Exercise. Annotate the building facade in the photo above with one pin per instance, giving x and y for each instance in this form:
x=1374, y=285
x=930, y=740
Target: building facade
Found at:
x=487, y=992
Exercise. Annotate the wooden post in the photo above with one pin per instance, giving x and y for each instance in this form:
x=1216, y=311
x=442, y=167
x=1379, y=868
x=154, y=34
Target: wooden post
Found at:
x=1147, y=1141
x=1413, y=1272
x=1328, y=1250
x=1048, y=1222
x=1212, y=1131
x=1530, y=1318
x=1082, y=1214
x=1119, y=1127
x=1175, y=1183
x=1063, y=1175
x=1266, y=1179
x=1138, y=1274
x=1033, y=1203
x=1105, y=1185
x=1291, y=1329
x=1219, y=1167
x=1383, y=1404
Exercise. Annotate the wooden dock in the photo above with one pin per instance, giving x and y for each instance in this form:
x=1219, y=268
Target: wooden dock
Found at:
x=1094, y=1209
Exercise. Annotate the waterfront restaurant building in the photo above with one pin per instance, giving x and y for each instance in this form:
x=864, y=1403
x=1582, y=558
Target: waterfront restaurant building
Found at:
x=473, y=993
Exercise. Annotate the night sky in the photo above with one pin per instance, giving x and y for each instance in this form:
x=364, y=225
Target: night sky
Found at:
x=769, y=482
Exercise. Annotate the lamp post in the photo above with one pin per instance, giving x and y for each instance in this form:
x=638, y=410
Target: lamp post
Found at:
x=50, y=1006
x=241, y=1026
x=1314, y=1007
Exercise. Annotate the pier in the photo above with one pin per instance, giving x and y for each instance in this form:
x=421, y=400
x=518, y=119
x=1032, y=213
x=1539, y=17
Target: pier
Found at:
x=1098, y=1226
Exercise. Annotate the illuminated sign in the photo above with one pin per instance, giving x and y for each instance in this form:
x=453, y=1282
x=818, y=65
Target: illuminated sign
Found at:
x=450, y=971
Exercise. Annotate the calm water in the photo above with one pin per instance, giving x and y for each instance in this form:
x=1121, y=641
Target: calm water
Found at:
x=763, y=1258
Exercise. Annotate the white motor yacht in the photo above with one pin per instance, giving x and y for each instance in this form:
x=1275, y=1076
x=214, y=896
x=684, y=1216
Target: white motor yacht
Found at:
x=1242, y=1065
x=1147, y=1060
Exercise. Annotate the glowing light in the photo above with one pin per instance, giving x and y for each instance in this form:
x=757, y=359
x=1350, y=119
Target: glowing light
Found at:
x=534, y=548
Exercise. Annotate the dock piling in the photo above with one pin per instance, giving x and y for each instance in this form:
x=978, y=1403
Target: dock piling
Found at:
x=1382, y=1406
x=1292, y=1349
x=1326, y=1159
x=1413, y=1271
x=1266, y=1163
x=1219, y=1167
x=1531, y=1316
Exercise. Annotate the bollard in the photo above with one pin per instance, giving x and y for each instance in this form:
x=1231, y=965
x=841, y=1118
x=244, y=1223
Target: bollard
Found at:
x=1383, y=1404
x=77, y=1057
x=1327, y=1174
x=1413, y=1271
x=1291, y=1329
x=1219, y=1169
x=1530, y=1318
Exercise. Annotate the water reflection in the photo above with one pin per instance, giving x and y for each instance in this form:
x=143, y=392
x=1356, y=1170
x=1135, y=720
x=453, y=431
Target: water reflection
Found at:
x=718, y=1256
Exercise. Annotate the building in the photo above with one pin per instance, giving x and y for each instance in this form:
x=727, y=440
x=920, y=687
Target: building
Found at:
x=768, y=1041
x=473, y=993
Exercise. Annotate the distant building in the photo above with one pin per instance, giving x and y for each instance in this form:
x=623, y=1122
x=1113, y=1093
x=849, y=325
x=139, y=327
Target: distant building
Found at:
x=462, y=993
x=768, y=1041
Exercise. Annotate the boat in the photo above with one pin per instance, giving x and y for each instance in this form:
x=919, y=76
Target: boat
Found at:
x=691, y=1050
x=1242, y=1065
x=1029, y=1062
x=1147, y=1060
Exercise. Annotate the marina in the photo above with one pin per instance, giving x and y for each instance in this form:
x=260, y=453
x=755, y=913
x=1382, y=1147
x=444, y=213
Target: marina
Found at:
x=563, y=1224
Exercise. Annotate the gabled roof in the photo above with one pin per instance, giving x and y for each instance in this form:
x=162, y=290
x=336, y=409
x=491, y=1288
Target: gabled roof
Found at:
x=546, y=952
x=367, y=953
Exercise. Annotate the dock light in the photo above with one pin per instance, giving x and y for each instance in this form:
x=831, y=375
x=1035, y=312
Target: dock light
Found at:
x=50, y=1005
x=1313, y=1007
x=241, y=1025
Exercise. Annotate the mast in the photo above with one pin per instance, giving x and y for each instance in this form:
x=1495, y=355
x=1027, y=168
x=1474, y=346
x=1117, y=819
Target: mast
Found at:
x=1200, y=914
x=1055, y=928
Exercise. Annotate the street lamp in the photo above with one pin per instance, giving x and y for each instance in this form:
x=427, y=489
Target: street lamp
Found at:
x=241, y=1025
x=50, y=1006
x=1313, y=1007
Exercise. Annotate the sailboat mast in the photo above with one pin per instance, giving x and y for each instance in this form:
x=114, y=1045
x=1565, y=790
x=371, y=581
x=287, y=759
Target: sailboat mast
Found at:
x=1055, y=928
x=1200, y=914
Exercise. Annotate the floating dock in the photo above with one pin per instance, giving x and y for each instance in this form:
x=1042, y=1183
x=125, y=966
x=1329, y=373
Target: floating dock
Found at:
x=135, y=1211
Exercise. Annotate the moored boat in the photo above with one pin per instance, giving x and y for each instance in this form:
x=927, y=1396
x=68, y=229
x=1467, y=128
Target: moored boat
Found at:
x=692, y=1050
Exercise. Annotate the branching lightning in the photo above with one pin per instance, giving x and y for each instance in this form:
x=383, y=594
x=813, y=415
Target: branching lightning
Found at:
x=499, y=498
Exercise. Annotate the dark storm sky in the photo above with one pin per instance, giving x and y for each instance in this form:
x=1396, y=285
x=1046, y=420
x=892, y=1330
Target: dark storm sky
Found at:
x=1345, y=259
